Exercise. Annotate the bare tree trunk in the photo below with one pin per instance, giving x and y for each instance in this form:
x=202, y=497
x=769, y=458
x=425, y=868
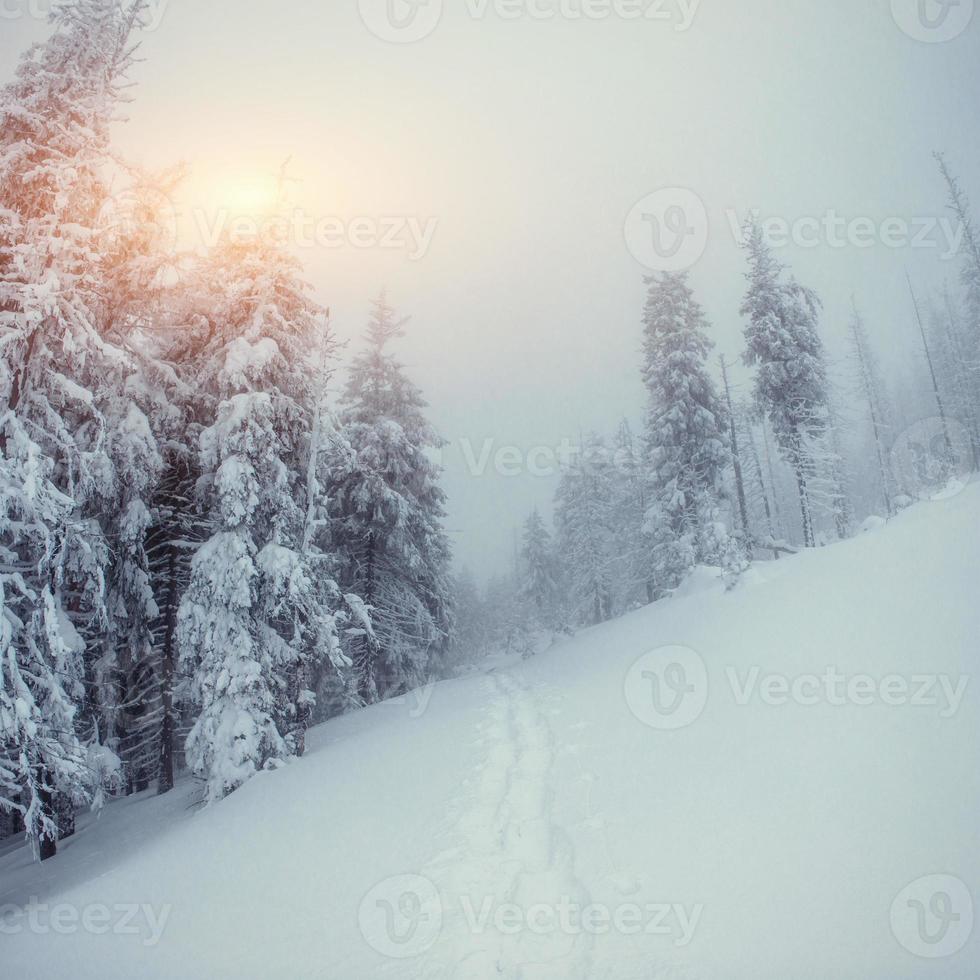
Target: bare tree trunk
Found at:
x=364, y=665
x=935, y=383
x=776, y=510
x=743, y=509
x=806, y=512
x=47, y=846
x=967, y=395
x=873, y=407
x=754, y=455
x=168, y=660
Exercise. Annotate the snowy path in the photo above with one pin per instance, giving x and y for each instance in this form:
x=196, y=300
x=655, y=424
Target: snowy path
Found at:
x=511, y=853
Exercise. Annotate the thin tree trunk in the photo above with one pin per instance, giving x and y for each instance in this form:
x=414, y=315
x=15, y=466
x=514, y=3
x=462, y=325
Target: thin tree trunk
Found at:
x=754, y=454
x=935, y=384
x=366, y=682
x=743, y=509
x=777, y=511
x=168, y=660
x=969, y=402
x=806, y=513
x=47, y=846
x=869, y=393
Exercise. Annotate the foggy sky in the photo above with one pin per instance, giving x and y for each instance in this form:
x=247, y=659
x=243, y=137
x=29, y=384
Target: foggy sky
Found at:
x=527, y=142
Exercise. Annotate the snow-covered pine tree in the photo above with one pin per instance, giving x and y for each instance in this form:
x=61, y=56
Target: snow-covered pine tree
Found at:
x=126, y=669
x=136, y=305
x=56, y=376
x=952, y=369
x=388, y=510
x=584, y=531
x=837, y=480
x=756, y=492
x=176, y=530
x=539, y=572
x=783, y=344
x=947, y=452
x=472, y=636
x=258, y=614
x=504, y=615
x=736, y=455
x=686, y=427
x=174, y=317
x=633, y=567
x=968, y=324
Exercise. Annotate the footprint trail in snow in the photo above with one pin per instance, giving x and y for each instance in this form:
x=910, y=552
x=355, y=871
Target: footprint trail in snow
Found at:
x=513, y=869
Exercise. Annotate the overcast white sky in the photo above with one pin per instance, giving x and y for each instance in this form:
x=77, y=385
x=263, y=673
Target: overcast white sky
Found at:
x=528, y=142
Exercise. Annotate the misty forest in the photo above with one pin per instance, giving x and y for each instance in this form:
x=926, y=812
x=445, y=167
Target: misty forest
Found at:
x=694, y=703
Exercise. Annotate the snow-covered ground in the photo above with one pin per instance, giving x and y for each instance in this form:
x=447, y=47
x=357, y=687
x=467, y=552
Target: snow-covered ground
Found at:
x=762, y=799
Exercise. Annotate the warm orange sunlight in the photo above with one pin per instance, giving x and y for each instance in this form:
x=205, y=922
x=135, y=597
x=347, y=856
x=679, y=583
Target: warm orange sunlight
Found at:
x=245, y=194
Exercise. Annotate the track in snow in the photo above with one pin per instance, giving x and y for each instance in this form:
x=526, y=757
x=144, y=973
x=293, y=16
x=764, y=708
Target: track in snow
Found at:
x=511, y=852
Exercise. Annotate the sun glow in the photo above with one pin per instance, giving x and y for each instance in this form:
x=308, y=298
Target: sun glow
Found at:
x=254, y=195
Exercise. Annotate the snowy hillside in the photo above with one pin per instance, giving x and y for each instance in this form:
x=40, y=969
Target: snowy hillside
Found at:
x=762, y=826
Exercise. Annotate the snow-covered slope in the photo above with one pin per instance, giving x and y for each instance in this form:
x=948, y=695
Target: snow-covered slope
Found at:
x=773, y=838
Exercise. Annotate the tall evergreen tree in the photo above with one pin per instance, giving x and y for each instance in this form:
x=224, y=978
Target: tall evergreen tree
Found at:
x=740, y=495
x=388, y=510
x=634, y=571
x=686, y=430
x=57, y=369
x=257, y=615
x=584, y=530
x=953, y=371
x=757, y=493
x=783, y=344
x=539, y=573
x=472, y=637
x=967, y=325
